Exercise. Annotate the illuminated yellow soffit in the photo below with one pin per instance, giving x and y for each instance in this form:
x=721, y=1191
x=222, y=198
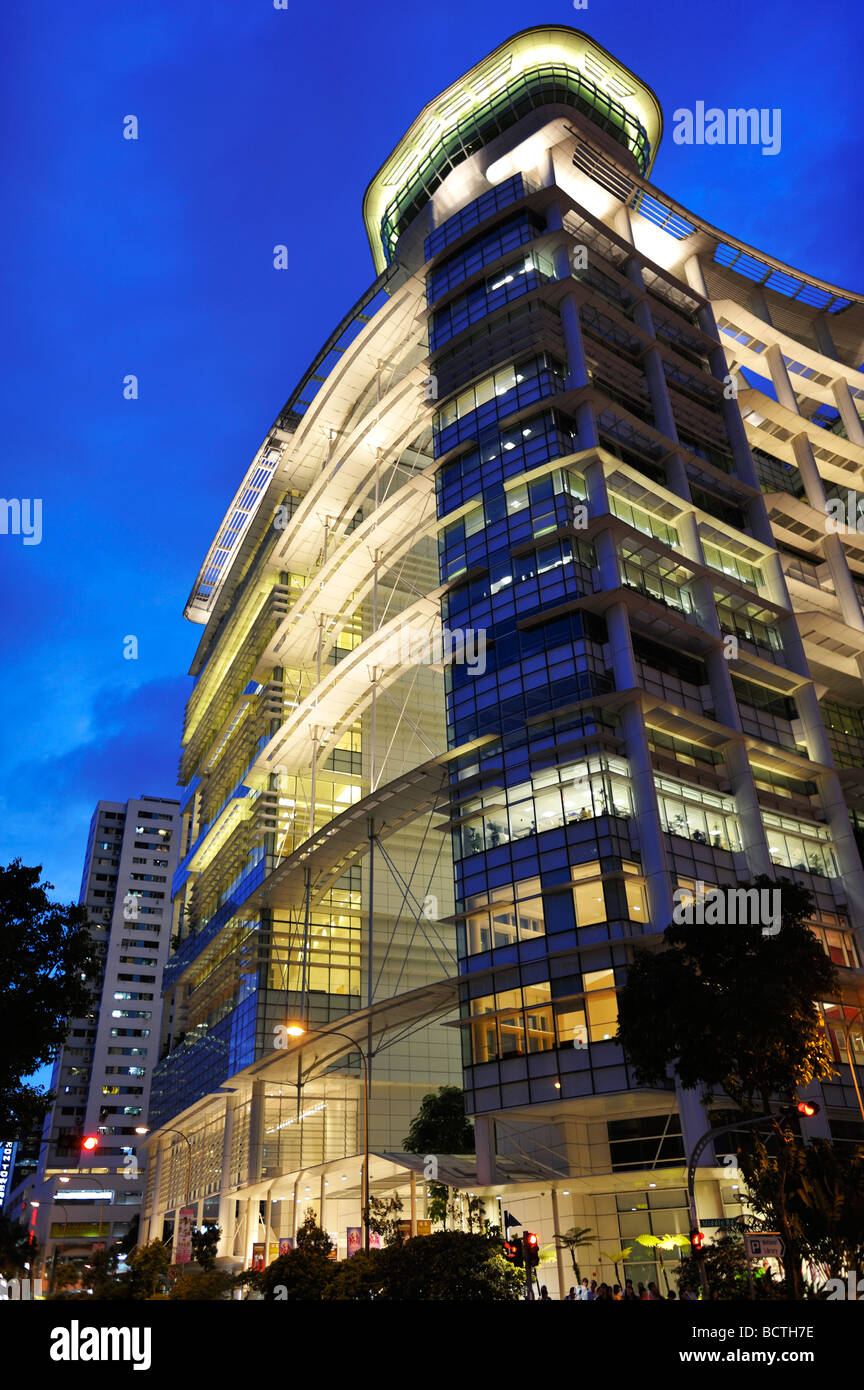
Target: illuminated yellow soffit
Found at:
x=527, y=50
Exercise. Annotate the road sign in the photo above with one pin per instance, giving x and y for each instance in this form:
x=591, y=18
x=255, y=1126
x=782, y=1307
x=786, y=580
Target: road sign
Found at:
x=722, y=1221
x=765, y=1246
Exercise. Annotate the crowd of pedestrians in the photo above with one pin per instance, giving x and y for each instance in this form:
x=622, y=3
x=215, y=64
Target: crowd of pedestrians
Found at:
x=593, y=1292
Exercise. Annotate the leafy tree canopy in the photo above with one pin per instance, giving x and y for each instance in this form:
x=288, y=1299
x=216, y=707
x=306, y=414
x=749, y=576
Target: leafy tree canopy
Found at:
x=441, y=1125
x=731, y=1008
x=310, y=1237
x=15, y=1248
x=823, y=1197
x=47, y=968
x=205, y=1244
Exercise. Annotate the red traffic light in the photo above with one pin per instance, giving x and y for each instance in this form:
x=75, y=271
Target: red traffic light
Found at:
x=805, y=1108
x=90, y=1142
x=697, y=1239
x=531, y=1246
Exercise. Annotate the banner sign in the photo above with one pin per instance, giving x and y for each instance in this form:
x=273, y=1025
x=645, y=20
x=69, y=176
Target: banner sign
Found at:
x=183, y=1236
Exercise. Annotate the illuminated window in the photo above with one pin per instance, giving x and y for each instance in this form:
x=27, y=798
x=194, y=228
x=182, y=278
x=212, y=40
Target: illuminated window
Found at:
x=501, y=925
x=601, y=1004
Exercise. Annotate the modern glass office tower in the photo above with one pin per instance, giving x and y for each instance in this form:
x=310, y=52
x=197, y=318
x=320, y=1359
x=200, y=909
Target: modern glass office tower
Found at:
x=673, y=686
x=577, y=426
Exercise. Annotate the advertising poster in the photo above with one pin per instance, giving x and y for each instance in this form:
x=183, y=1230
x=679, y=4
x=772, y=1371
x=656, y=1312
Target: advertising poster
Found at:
x=183, y=1236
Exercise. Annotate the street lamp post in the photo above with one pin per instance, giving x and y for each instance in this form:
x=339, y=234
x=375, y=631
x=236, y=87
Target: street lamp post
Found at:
x=694, y=1159
x=297, y=1030
x=691, y=1179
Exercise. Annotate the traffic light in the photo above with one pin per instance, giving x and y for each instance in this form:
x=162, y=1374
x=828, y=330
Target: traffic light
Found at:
x=531, y=1248
x=90, y=1142
x=805, y=1108
x=697, y=1239
x=513, y=1253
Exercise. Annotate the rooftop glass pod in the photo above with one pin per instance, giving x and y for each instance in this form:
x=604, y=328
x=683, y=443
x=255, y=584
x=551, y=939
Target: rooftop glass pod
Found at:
x=542, y=86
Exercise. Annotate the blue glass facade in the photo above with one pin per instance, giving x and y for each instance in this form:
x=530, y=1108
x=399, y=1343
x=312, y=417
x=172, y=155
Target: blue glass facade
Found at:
x=581, y=532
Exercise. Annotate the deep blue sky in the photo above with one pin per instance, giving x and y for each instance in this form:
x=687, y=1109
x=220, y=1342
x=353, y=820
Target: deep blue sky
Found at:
x=154, y=257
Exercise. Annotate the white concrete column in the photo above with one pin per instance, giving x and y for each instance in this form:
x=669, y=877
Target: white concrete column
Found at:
x=251, y=1228
x=773, y=358
x=413, y=1199
x=484, y=1136
x=652, y=842
x=154, y=1230
x=295, y=1224
x=846, y=404
x=759, y=304
x=268, y=1221
x=227, y=1201
x=735, y=430
x=823, y=336
x=256, y=1132
x=844, y=584
x=814, y=488
x=559, y=1252
x=694, y=1122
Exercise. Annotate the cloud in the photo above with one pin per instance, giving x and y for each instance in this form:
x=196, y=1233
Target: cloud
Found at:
x=46, y=817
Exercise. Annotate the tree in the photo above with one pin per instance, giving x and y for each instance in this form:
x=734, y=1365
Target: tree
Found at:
x=126, y=1244
x=571, y=1241
x=451, y=1266
x=359, y=1279
x=440, y=1206
x=823, y=1198
x=205, y=1244
x=202, y=1285
x=733, y=1009
x=726, y=1272
x=16, y=1251
x=303, y=1274
x=729, y=1008
x=665, y=1242
x=311, y=1238
x=441, y=1125
x=149, y=1265
x=47, y=968
x=383, y=1214
x=617, y=1257
x=65, y=1275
